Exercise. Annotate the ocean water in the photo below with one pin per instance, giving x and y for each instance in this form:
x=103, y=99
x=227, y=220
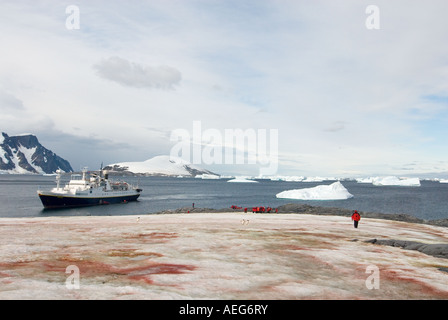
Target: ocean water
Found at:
x=18, y=196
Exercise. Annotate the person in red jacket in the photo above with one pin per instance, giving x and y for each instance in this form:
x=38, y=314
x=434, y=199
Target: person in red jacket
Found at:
x=356, y=217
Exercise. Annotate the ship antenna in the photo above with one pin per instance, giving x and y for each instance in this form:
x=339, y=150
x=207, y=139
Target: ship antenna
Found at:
x=84, y=171
x=58, y=178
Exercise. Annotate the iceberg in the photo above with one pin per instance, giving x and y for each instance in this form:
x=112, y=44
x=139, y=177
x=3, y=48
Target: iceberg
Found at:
x=287, y=178
x=242, y=180
x=319, y=179
x=301, y=178
x=390, y=181
x=365, y=180
x=334, y=191
x=205, y=176
x=394, y=181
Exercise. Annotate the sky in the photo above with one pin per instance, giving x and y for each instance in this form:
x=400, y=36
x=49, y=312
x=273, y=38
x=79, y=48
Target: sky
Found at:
x=349, y=91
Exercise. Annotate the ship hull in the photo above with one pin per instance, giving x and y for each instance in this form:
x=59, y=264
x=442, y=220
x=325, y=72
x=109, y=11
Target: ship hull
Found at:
x=55, y=201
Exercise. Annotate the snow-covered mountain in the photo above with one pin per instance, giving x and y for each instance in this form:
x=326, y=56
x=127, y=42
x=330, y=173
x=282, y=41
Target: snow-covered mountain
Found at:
x=159, y=166
x=24, y=154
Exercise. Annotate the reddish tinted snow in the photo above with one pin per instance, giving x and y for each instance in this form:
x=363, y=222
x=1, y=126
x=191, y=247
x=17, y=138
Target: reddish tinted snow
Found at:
x=217, y=256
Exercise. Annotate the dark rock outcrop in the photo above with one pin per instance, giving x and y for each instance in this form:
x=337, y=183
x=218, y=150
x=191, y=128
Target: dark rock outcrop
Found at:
x=439, y=250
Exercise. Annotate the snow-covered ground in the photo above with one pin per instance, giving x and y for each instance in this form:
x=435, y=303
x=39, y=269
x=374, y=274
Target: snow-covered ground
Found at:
x=216, y=256
x=334, y=191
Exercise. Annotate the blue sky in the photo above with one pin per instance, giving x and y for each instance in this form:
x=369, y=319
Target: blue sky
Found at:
x=346, y=101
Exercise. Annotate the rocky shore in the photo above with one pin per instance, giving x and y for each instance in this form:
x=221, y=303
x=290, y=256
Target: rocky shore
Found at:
x=439, y=250
x=317, y=210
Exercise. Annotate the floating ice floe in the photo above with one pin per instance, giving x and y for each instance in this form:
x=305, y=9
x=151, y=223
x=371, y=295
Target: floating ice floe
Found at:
x=301, y=178
x=365, y=180
x=207, y=176
x=242, y=180
x=318, y=179
x=334, y=191
x=287, y=178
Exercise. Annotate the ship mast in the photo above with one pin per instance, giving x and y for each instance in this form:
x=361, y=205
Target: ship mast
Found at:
x=84, y=171
x=58, y=178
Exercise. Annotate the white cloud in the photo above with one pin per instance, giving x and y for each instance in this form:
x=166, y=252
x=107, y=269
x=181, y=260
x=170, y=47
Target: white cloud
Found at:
x=9, y=102
x=334, y=89
x=133, y=74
